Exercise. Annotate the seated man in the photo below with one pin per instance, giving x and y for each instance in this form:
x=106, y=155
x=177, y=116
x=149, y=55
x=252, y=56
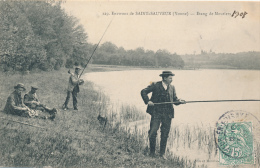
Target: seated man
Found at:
x=15, y=105
x=31, y=100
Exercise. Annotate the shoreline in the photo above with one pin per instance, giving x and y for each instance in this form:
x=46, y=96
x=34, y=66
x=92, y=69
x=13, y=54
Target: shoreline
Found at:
x=107, y=68
x=74, y=138
x=102, y=68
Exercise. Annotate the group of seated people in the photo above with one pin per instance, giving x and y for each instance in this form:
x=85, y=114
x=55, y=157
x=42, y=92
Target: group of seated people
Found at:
x=30, y=106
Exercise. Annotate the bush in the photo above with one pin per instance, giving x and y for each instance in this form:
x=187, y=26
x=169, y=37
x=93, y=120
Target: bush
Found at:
x=45, y=66
x=69, y=63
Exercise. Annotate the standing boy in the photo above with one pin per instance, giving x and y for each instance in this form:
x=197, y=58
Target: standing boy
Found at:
x=73, y=88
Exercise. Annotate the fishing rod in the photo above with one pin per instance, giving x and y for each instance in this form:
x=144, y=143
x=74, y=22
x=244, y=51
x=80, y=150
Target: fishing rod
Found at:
x=206, y=101
x=95, y=48
x=22, y=123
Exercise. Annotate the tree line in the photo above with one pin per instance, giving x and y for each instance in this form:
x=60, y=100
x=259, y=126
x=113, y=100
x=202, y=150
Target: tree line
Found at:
x=241, y=60
x=110, y=54
x=41, y=35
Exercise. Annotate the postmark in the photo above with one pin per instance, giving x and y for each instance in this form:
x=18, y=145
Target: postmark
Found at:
x=234, y=136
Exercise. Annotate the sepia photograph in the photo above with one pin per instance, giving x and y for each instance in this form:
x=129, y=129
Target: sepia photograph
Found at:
x=129, y=84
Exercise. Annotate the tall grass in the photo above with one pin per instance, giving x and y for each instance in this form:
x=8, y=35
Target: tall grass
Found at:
x=194, y=137
x=75, y=138
x=131, y=126
x=199, y=138
x=61, y=143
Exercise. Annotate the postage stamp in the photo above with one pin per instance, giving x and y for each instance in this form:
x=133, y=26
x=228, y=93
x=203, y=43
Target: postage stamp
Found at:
x=234, y=138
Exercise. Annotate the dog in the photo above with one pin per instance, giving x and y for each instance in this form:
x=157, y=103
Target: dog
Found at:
x=102, y=121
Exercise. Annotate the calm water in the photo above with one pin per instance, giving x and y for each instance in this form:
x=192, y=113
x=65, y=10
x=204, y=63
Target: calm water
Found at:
x=191, y=85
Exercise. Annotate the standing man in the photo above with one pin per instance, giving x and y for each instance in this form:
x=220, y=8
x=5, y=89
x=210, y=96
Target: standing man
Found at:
x=161, y=114
x=31, y=100
x=73, y=88
x=14, y=104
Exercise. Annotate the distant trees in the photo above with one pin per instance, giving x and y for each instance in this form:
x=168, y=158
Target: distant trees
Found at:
x=166, y=59
x=110, y=54
x=242, y=60
x=39, y=34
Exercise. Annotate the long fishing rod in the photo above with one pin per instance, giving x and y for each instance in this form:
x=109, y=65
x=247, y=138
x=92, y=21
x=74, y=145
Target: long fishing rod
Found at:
x=22, y=123
x=207, y=101
x=95, y=48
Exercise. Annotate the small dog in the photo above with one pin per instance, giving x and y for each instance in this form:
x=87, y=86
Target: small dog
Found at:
x=102, y=121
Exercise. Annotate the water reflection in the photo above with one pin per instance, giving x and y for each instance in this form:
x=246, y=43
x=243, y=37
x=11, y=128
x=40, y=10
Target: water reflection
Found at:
x=192, y=131
x=125, y=86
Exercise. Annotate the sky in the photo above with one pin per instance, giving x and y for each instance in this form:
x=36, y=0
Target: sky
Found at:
x=193, y=29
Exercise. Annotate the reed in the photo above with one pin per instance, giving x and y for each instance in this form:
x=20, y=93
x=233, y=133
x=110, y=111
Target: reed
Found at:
x=75, y=139
x=136, y=139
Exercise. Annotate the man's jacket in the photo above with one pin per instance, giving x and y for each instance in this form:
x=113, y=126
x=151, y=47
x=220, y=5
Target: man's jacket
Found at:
x=14, y=103
x=159, y=95
x=73, y=83
x=30, y=99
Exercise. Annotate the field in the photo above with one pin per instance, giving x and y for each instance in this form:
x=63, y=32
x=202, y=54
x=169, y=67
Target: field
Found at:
x=74, y=138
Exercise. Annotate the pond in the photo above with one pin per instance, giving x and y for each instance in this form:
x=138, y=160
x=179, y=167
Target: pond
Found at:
x=191, y=85
x=192, y=131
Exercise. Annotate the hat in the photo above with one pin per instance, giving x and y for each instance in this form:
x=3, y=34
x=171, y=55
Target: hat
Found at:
x=19, y=85
x=77, y=67
x=34, y=87
x=167, y=73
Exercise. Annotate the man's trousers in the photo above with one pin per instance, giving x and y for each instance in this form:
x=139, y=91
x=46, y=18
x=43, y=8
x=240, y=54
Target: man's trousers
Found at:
x=156, y=121
x=74, y=97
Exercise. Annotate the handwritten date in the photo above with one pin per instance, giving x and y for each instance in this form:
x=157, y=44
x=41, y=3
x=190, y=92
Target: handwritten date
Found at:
x=241, y=14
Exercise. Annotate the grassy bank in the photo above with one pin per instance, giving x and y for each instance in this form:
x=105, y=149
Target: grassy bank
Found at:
x=75, y=138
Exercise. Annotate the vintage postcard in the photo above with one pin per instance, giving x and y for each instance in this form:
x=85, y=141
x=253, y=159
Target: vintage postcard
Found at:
x=130, y=84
